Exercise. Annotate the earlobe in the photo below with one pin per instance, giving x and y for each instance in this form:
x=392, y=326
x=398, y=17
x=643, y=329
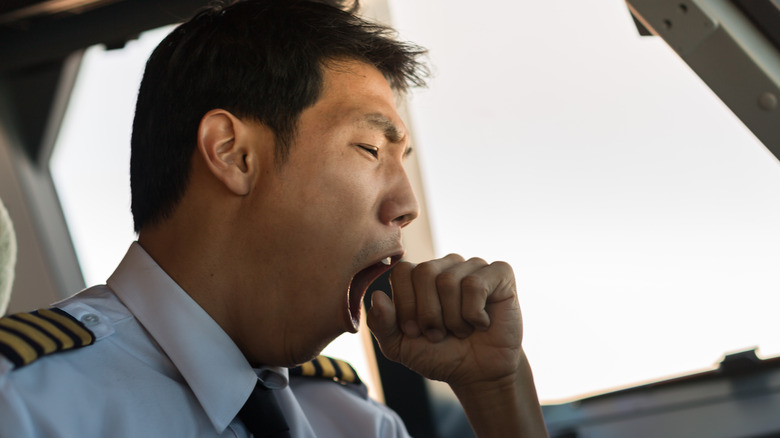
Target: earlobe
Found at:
x=225, y=150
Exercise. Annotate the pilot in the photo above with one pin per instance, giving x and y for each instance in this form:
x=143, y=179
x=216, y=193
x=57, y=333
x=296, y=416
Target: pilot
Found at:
x=268, y=192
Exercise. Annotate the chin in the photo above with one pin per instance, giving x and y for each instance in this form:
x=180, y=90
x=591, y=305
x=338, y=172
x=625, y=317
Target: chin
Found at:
x=309, y=351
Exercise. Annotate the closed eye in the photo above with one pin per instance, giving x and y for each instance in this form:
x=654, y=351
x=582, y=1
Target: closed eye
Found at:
x=373, y=150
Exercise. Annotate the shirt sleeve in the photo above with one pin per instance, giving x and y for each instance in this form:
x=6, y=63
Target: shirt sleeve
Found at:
x=15, y=420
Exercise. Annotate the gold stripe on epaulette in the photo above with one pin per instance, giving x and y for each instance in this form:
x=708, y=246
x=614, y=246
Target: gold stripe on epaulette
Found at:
x=308, y=369
x=70, y=323
x=23, y=350
x=25, y=337
x=46, y=326
x=46, y=343
x=327, y=368
x=347, y=372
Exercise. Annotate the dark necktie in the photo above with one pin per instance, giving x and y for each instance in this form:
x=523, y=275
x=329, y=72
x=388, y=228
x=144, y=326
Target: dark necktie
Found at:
x=262, y=415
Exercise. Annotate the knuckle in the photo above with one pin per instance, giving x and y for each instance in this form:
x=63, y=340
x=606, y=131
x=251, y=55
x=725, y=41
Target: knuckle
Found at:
x=401, y=269
x=446, y=282
x=478, y=261
x=474, y=284
x=427, y=267
x=454, y=257
x=503, y=267
x=425, y=270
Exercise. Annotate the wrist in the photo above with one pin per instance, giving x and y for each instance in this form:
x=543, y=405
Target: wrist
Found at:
x=507, y=406
x=496, y=379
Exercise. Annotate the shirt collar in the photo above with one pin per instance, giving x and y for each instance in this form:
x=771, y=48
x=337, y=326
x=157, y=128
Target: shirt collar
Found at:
x=210, y=362
x=273, y=377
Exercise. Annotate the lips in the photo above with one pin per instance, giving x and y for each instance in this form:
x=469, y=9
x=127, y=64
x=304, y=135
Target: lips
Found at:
x=360, y=283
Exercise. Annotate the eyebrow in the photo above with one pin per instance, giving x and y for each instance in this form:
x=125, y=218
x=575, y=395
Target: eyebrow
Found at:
x=389, y=128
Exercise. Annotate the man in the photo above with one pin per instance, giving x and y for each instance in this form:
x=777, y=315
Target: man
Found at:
x=268, y=192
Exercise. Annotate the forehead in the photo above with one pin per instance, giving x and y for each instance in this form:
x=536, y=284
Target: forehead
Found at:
x=358, y=94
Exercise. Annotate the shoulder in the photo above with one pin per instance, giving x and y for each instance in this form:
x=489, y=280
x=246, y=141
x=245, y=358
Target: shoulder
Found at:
x=26, y=337
x=56, y=363
x=328, y=369
x=70, y=325
x=34, y=378
x=62, y=339
x=333, y=396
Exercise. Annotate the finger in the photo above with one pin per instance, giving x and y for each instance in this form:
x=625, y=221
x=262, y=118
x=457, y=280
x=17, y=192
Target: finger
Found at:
x=491, y=284
x=403, y=298
x=448, y=285
x=381, y=320
x=429, y=309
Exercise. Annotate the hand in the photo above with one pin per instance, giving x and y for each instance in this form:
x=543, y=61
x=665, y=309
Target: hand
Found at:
x=452, y=320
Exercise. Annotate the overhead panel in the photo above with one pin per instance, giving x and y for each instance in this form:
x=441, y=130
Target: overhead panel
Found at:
x=736, y=56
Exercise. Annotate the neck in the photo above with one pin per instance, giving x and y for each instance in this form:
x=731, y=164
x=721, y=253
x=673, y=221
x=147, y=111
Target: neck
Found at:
x=190, y=262
x=204, y=260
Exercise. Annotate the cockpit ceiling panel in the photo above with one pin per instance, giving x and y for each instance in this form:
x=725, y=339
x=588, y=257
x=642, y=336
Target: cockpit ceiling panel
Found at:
x=18, y=13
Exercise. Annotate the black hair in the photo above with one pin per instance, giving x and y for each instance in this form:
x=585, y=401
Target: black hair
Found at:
x=259, y=59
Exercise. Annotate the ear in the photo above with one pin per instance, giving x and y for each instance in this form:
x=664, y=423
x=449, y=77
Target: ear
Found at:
x=225, y=144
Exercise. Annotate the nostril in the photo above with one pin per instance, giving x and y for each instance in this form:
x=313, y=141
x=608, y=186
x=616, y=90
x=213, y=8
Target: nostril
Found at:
x=405, y=219
x=398, y=205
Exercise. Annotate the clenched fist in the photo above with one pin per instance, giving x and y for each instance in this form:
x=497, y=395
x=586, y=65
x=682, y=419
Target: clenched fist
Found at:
x=459, y=321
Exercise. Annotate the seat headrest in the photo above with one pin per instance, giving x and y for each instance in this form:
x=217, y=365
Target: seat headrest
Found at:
x=7, y=257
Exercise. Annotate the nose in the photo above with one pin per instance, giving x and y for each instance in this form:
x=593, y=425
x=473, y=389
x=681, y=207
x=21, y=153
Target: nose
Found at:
x=399, y=206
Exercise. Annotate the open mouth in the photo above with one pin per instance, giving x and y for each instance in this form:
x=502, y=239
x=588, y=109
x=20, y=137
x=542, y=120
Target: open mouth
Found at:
x=360, y=283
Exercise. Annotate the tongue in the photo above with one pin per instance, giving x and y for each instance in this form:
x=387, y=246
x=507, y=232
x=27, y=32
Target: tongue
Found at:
x=358, y=287
x=356, y=291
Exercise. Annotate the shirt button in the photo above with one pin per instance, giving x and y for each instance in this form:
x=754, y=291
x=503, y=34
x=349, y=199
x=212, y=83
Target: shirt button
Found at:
x=90, y=319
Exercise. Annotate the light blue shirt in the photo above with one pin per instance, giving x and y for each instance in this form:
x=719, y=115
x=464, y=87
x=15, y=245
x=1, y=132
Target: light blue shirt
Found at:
x=161, y=367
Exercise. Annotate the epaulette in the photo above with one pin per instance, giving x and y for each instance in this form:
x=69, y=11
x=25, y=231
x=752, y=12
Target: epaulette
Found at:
x=25, y=337
x=325, y=367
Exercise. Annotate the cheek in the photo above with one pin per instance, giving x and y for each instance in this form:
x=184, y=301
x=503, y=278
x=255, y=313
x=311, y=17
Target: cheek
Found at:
x=338, y=199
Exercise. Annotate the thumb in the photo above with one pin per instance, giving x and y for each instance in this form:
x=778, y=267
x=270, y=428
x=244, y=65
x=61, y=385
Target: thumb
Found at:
x=382, y=322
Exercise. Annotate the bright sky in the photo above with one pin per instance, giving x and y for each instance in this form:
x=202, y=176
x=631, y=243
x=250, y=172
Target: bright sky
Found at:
x=640, y=216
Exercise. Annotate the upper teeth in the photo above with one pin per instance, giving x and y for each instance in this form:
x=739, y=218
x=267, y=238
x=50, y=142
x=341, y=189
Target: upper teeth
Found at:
x=387, y=260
